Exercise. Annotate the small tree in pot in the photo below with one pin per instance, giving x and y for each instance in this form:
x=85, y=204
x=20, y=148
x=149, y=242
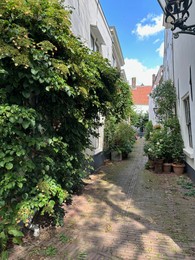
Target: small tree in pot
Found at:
x=176, y=143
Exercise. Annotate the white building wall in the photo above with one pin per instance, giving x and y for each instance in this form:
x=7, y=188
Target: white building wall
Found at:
x=156, y=82
x=88, y=19
x=168, y=56
x=184, y=58
x=141, y=109
x=86, y=13
x=178, y=60
x=151, y=111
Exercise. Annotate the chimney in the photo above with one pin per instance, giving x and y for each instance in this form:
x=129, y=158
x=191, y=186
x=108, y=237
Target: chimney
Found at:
x=153, y=79
x=134, y=82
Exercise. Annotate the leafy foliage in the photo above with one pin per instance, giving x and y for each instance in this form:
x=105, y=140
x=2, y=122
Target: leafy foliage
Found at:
x=53, y=90
x=164, y=97
x=139, y=120
x=170, y=138
x=148, y=129
x=174, y=143
x=154, y=148
x=119, y=136
x=187, y=185
x=166, y=142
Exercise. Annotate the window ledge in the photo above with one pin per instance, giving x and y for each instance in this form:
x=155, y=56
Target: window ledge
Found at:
x=189, y=152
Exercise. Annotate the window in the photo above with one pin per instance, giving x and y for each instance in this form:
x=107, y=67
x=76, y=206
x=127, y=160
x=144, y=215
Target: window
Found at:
x=114, y=61
x=94, y=44
x=96, y=38
x=188, y=119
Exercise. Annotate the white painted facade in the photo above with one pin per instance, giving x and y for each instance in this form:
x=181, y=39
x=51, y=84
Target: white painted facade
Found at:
x=179, y=65
x=168, y=55
x=157, y=80
x=90, y=25
x=141, y=109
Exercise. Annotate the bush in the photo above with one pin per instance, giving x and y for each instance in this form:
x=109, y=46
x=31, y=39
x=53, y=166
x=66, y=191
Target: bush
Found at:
x=119, y=137
x=154, y=148
x=148, y=130
x=53, y=90
x=166, y=142
x=164, y=96
x=174, y=142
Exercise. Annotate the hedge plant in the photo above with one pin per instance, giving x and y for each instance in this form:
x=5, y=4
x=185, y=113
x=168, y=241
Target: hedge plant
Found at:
x=53, y=90
x=119, y=136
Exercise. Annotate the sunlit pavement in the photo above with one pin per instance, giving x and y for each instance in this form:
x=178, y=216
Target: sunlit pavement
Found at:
x=125, y=212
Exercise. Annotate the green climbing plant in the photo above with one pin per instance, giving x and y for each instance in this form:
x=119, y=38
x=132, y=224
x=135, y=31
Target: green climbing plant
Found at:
x=53, y=90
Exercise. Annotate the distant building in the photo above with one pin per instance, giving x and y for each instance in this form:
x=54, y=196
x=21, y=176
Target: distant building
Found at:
x=156, y=80
x=140, y=95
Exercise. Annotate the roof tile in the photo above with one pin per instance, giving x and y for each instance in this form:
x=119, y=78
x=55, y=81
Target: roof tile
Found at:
x=141, y=95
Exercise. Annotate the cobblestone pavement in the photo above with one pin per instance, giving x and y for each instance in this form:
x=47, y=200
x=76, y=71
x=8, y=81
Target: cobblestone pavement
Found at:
x=125, y=212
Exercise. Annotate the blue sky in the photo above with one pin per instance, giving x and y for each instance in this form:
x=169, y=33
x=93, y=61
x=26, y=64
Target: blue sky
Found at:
x=140, y=32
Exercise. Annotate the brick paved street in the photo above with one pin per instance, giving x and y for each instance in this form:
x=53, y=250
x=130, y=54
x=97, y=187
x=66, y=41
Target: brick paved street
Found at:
x=125, y=212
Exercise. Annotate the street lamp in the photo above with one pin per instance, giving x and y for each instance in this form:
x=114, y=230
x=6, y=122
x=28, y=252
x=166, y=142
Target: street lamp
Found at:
x=176, y=14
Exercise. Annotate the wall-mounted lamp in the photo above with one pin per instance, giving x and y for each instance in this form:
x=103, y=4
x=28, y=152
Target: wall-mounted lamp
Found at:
x=176, y=14
x=155, y=109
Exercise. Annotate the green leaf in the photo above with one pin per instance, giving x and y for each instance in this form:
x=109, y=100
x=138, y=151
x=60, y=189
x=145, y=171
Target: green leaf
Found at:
x=2, y=235
x=2, y=203
x=15, y=233
x=26, y=94
x=17, y=240
x=34, y=72
x=12, y=120
x=51, y=203
x=20, y=120
x=2, y=163
x=25, y=124
x=20, y=185
x=41, y=204
x=4, y=255
x=9, y=166
x=18, y=153
x=2, y=154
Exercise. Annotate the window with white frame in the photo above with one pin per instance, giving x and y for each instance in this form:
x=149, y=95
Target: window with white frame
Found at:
x=188, y=119
x=94, y=44
x=113, y=61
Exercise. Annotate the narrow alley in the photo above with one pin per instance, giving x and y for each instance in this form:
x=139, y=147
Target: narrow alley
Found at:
x=125, y=212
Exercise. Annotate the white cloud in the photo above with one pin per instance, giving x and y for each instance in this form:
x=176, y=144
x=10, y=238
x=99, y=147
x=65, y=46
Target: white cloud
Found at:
x=149, y=26
x=156, y=41
x=160, y=50
x=143, y=74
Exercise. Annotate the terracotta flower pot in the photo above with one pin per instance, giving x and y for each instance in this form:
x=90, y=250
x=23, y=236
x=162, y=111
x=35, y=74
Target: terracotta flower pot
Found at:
x=158, y=165
x=167, y=167
x=151, y=164
x=178, y=168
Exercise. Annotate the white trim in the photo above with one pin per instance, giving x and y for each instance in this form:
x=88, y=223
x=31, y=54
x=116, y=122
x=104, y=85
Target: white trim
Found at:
x=189, y=152
x=187, y=94
x=96, y=32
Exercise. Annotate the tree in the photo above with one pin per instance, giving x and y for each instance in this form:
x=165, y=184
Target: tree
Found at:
x=53, y=89
x=164, y=97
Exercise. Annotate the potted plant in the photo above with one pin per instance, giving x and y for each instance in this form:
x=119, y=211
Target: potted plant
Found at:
x=154, y=148
x=167, y=151
x=119, y=139
x=176, y=144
